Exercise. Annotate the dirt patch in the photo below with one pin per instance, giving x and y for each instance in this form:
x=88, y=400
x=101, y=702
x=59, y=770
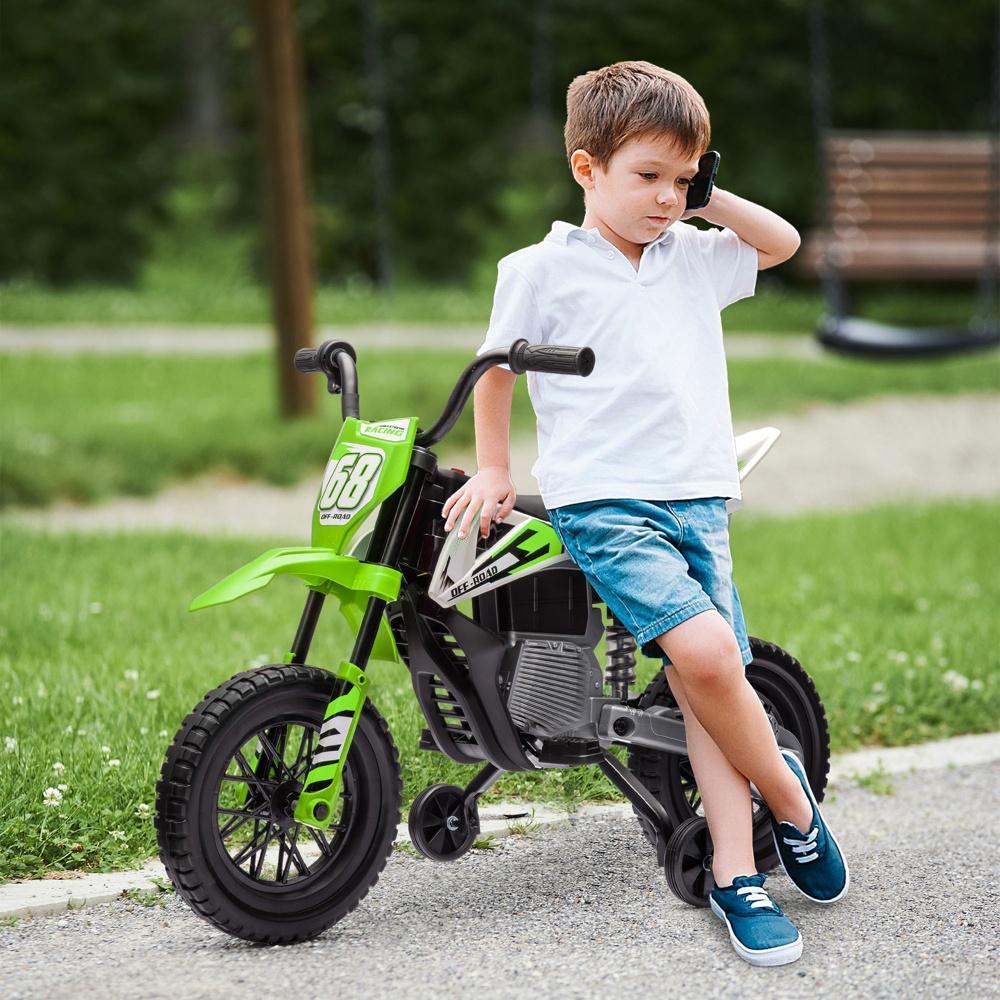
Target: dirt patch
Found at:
x=831, y=457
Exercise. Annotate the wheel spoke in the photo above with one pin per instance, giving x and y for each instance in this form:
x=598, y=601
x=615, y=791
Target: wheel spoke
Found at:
x=304, y=755
x=295, y=854
x=275, y=757
x=251, y=845
x=284, y=857
x=248, y=774
x=321, y=842
x=257, y=865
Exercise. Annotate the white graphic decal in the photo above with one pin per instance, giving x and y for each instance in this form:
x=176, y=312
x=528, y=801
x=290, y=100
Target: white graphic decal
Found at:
x=460, y=574
x=349, y=483
x=389, y=430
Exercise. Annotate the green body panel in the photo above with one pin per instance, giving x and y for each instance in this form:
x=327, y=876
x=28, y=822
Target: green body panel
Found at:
x=537, y=539
x=321, y=786
x=368, y=463
x=348, y=579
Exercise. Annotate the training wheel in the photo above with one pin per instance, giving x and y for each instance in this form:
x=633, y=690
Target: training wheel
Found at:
x=439, y=826
x=688, y=864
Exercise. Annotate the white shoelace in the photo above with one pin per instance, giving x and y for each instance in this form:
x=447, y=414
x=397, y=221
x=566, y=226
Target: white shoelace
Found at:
x=806, y=847
x=755, y=896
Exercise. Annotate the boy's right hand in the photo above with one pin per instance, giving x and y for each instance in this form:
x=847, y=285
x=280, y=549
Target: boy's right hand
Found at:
x=490, y=486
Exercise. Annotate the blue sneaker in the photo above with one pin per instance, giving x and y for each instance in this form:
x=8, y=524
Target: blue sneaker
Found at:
x=813, y=860
x=760, y=932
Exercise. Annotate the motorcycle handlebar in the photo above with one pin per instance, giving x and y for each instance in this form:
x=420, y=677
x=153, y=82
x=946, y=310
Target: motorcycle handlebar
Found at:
x=336, y=360
x=525, y=357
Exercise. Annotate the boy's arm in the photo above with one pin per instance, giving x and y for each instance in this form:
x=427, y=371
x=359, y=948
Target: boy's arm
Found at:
x=775, y=239
x=492, y=484
x=492, y=402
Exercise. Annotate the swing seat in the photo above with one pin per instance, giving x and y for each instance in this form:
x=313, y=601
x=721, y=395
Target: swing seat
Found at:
x=911, y=206
x=851, y=335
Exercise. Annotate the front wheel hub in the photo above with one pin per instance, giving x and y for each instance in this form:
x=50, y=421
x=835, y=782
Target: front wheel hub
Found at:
x=283, y=802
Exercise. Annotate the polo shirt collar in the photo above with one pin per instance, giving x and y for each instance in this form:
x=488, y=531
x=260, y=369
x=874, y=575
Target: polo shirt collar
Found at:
x=562, y=232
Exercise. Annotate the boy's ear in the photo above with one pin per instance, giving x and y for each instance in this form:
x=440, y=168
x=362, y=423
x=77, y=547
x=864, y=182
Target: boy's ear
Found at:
x=582, y=164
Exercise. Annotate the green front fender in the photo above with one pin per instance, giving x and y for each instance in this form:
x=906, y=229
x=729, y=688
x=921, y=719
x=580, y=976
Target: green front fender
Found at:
x=348, y=579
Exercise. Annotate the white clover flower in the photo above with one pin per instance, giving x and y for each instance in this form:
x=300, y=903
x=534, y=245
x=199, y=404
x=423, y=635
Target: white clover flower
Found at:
x=63, y=788
x=153, y=695
x=921, y=660
x=142, y=810
x=878, y=686
x=79, y=699
x=9, y=744
x=854, y=656
x=143, y=730
x=955, y=680
x=59, y=767
x=114, y=762
x=68, y=730
x=922, y=604
x=17, y=700
x=899, y=709
x=117, y=834
x=51, y=797
x=131, y=675
x=40, y=691
x=95, y=607
x=163, y=734
x=105, y=750
x=977, y=685
x=937, y=642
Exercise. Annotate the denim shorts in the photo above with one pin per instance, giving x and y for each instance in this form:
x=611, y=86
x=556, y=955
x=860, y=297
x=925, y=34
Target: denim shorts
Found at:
x=655, y=563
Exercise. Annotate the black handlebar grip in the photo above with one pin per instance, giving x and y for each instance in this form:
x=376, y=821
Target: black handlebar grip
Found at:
x=525, y=357
x=307, y=360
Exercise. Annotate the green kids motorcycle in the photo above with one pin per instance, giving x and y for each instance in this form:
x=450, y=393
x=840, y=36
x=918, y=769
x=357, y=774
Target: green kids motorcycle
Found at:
x=278, y=802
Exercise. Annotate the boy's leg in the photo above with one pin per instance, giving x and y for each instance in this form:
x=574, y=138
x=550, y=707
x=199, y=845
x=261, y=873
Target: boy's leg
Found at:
x=706, y=656
x=725, y=794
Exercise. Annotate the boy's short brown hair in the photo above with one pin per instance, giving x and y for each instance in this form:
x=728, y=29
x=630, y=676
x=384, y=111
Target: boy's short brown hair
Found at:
x=607, y=107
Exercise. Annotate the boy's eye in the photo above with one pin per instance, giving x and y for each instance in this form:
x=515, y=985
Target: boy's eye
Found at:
x=648, y=176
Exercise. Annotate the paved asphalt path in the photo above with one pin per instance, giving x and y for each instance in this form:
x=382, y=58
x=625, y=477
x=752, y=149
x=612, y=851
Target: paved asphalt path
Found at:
x=581, y=911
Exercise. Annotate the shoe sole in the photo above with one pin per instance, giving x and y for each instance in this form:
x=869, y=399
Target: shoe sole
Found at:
x=829, y=832
x=783, y=954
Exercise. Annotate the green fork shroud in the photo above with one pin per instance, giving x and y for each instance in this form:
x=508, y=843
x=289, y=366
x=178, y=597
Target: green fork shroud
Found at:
x=353, y=583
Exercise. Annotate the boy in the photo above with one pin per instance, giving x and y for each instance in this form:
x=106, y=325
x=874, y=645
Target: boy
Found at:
x=637, y=460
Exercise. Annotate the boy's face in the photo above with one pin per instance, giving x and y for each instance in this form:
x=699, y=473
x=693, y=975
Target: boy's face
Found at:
x=641, y=191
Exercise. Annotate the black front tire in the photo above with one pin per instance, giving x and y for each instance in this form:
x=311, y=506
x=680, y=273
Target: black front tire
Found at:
x=209, y=758
x=790, y=698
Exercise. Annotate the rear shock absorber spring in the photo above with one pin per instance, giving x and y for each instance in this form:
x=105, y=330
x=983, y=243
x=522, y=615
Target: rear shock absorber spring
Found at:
x=620, y=671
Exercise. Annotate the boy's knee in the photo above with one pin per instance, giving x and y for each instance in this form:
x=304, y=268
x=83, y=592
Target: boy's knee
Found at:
x=704, y=651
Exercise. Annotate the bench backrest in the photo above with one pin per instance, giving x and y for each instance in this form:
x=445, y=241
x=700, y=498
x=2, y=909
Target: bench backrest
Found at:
x=908, y=205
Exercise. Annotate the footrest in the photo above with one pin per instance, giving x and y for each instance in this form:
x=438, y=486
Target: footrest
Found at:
x=427, y=741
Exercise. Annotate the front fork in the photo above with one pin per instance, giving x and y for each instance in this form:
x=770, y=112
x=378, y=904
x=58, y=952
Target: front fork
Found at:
x=321, y=785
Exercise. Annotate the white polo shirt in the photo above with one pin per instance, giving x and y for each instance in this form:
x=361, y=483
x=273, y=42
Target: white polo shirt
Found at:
x=652, y=421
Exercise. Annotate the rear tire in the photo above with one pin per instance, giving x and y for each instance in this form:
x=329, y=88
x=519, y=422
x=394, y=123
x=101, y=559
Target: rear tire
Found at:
x=211, y=766
x=790, y=698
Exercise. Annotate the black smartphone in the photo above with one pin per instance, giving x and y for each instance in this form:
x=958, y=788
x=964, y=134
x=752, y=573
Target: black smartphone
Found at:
x=700, y=191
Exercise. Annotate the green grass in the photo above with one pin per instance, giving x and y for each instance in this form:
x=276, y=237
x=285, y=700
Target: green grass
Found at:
x=891, y=610
x=93, y=426
x=170, y=299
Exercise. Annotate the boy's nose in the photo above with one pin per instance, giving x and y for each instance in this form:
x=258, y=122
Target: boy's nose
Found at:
x=667, y=198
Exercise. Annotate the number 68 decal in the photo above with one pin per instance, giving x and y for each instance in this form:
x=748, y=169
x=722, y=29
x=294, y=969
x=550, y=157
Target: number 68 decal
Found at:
x=348, y=479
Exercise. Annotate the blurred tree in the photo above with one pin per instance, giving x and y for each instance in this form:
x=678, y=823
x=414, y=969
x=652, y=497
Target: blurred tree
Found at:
x=456, y=87
x=90, y=94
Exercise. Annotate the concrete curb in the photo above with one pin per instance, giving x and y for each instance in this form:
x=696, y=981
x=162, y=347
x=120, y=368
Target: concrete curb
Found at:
x=39, y=896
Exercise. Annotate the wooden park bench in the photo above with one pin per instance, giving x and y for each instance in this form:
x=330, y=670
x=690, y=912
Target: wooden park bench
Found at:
x=912, y=206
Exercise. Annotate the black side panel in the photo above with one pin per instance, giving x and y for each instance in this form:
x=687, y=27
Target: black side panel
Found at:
x=429, y=663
